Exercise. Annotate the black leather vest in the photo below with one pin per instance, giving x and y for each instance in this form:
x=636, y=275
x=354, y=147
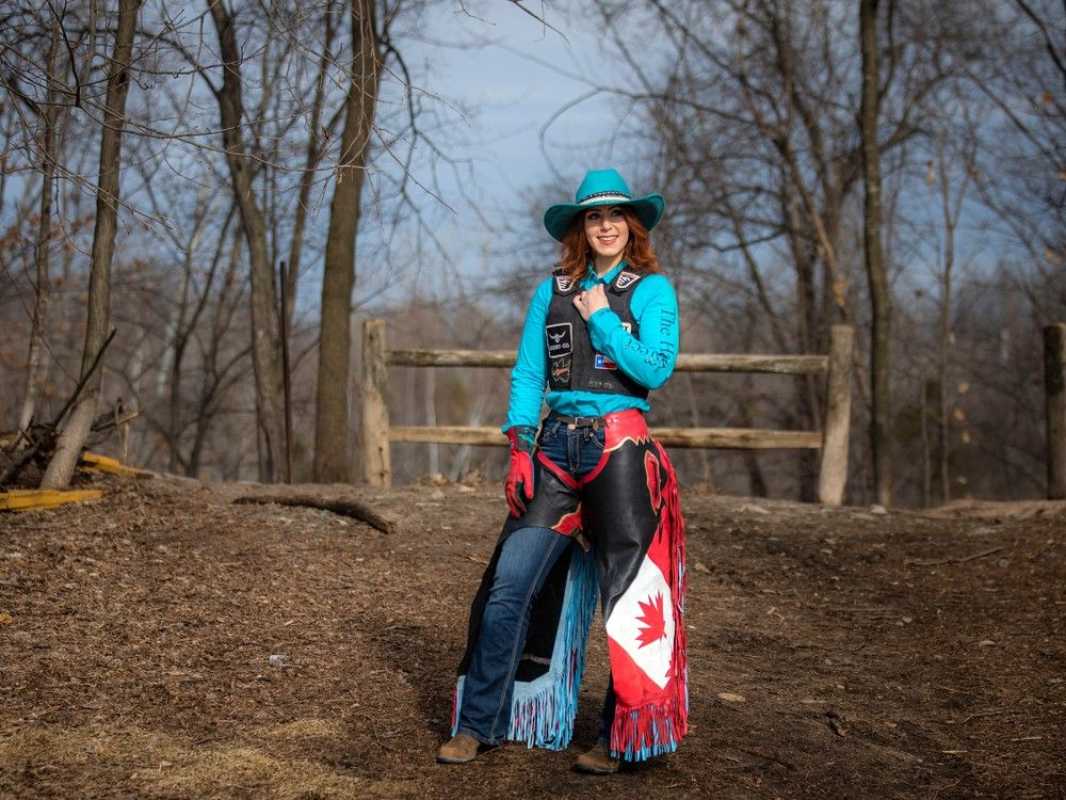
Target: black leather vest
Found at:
x=572, y=363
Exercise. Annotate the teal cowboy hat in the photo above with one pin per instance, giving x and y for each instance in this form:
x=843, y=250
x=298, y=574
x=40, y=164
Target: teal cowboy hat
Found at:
x=603, y=187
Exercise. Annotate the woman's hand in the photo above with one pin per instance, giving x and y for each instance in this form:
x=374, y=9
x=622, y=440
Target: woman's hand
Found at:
x=590, y=301
x=518, y=486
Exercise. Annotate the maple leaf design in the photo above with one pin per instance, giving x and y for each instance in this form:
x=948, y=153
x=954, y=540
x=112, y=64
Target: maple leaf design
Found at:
x=653, y=620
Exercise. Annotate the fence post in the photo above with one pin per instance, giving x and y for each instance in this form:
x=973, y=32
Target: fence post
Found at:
x=1055, y=389
x=377, y=469
x=833, y=475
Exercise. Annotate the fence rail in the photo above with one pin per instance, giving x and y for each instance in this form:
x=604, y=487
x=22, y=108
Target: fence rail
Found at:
x=716, y=438
x=686, y=362
x=832, y=440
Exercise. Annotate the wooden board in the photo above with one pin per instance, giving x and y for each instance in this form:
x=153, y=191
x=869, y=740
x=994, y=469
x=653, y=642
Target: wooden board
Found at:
x=686, y=362
x=718, y=438
x=29, y=499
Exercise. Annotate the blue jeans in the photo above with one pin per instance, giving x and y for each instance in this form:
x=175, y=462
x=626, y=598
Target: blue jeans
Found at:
x=527, y=557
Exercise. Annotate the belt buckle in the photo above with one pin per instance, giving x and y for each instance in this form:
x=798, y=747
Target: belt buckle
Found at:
x=585, y=422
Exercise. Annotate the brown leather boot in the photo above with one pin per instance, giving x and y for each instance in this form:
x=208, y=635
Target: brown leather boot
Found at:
x=598, y=761
x=460, y=749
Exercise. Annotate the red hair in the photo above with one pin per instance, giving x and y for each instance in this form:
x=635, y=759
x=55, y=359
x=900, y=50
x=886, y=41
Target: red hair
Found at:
x=639, y=255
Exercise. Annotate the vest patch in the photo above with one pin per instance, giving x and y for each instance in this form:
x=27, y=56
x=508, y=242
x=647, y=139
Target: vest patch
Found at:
x=563, y=283
x=560, y=371
x=602, y=362
x=560, y=338
x=626, y=279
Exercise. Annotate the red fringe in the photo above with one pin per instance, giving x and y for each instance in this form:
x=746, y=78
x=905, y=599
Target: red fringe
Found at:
x=650, y=730
x=679, y=586
x=657, y=728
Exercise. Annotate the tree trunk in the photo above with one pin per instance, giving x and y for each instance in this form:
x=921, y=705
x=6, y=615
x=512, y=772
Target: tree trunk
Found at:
x=175, y=423
x=265, y=356
x=880, y=302
x=946, y=336
x=756, y=479
x=72, y=439
x=315, y=150
x=809, y=416
x=332, y=428
x=927, y=450
x=38, y=366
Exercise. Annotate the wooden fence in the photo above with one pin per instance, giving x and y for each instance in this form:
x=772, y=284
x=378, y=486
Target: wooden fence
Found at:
x=832, y=440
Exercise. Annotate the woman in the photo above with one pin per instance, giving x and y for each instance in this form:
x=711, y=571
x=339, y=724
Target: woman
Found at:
x=593, y=504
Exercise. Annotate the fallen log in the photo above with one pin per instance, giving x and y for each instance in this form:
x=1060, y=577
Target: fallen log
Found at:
x=936, y=562
x=345, y=508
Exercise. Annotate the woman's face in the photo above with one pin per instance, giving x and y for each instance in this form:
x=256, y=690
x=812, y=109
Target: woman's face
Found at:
x=607, y=232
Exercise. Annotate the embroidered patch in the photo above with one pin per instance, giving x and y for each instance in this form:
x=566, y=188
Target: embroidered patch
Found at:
x=602, y=362
x=628, y=327
x=560, y=337
x=560, y=371
x=626, y=279
x=563, y=283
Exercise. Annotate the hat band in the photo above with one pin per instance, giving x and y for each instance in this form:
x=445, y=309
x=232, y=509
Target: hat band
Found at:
x=598, y=196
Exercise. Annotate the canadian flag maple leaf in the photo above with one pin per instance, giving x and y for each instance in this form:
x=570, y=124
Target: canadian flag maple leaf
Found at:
x=653, y=619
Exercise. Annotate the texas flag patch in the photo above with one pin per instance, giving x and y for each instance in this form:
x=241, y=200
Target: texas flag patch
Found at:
x=602, y=362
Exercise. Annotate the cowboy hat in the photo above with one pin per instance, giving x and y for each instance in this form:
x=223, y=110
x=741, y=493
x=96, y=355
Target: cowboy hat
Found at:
x=602, y=187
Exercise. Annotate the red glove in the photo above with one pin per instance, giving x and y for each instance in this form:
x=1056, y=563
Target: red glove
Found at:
x=520, y=472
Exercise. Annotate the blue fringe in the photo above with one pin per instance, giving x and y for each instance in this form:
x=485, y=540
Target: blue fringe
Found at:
x=457, y=704
x=543, y=711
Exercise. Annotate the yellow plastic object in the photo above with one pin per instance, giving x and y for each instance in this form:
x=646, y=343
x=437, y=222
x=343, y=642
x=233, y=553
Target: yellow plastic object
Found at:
x=29, y=499
x=92, y=462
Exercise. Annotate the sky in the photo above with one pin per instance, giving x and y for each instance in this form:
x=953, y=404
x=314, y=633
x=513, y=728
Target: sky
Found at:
x=516, y=82
x=501, y=77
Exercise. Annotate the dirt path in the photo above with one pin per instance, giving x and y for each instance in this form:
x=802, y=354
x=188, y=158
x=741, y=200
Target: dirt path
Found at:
x=878, y=656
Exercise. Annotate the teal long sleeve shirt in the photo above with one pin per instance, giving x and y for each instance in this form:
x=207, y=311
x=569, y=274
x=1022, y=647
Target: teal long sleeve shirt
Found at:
x=648, y=358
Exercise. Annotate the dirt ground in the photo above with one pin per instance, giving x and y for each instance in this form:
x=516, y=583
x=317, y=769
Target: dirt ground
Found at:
x=833, y=653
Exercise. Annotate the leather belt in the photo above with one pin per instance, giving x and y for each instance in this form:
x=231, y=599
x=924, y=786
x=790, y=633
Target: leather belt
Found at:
x=573, y=423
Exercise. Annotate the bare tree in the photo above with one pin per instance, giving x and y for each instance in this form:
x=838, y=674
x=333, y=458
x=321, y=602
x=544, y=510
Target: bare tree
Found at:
x=314, y=154
x=876, y=272
x=1021, y=169
x=49, y=153
x=68, y=447
x=265, y=355
x=332, y=437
